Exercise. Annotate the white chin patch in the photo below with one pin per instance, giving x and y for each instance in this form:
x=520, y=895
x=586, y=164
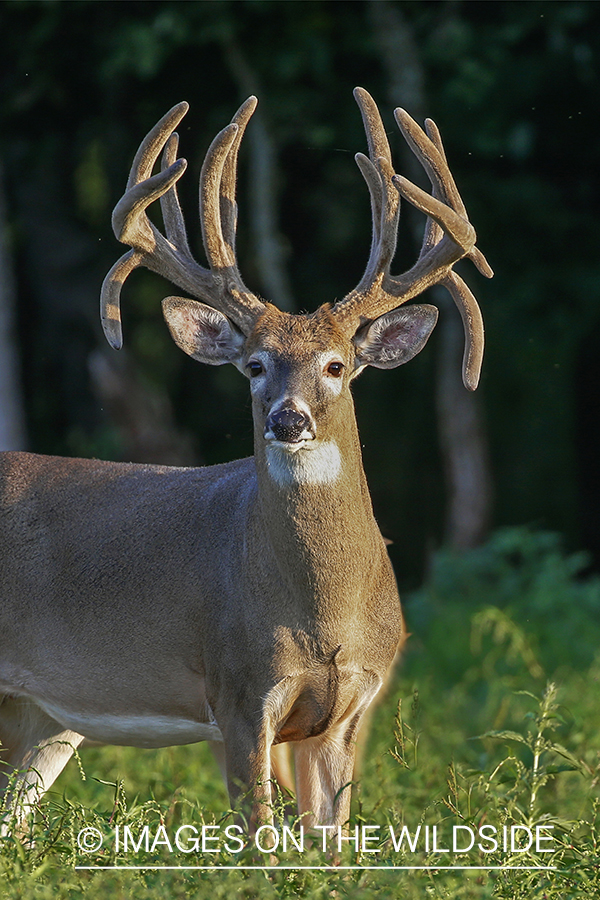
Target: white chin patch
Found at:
x=308, y=462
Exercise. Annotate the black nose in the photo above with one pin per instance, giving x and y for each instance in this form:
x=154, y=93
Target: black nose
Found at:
x=287, y=424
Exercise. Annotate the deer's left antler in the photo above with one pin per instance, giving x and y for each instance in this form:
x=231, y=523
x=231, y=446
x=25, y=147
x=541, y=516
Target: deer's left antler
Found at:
x=449, y=236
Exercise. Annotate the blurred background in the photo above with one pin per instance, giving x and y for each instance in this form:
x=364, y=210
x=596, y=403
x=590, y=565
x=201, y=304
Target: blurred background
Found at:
x=514, y=88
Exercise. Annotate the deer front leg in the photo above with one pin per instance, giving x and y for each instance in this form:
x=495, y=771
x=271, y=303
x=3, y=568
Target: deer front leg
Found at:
x=248, y=768
x=324, y=769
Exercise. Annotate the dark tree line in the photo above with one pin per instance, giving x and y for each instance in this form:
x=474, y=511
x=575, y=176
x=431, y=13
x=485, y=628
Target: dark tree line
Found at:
x=514, y=88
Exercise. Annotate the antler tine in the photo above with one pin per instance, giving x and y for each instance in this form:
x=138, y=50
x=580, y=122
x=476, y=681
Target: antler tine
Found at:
x=220, y=286
x=218, y=220
x=444, y=205
x=473, y=328
x=476, y=256
x=448, y=237
x=110, y=297
x=452, y=219
x=132, y=226
x=169, y=203
x=377, y=141
x=377, y=170
x=433, y=232
x=428, y=149
x=228, y=205
x=147, y=154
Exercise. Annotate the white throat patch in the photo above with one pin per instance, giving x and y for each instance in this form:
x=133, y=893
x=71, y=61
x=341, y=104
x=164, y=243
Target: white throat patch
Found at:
x=317, y=462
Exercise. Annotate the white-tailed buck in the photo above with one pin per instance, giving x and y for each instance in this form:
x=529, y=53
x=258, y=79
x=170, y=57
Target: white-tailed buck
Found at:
x=250, y=603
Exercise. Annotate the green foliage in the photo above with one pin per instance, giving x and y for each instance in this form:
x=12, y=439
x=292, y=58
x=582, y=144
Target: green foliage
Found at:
x=525, y=596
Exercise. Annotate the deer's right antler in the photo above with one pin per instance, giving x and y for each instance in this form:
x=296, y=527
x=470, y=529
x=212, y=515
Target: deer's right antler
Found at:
x=221, y=285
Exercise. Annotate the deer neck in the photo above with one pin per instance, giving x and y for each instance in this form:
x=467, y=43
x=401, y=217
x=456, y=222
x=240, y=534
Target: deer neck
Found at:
x=318, y=518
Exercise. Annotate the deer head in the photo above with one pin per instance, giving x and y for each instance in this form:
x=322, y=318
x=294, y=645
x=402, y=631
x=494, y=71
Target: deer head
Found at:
x=300, y=367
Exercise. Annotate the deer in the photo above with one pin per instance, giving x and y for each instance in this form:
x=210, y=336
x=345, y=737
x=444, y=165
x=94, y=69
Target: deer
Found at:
x=251, y=603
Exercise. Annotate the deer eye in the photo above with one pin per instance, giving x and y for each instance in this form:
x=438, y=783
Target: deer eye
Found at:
x=335, y=369
x=254, y=368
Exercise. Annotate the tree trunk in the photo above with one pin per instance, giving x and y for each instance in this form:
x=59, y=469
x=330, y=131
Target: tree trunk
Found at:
x=460, y=421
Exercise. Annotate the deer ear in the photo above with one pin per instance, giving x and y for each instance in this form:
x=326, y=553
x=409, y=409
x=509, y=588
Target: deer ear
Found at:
x=202, y=332
x=395, y=337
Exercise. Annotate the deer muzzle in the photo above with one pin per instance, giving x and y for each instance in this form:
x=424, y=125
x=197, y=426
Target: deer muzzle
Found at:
x=289, y=425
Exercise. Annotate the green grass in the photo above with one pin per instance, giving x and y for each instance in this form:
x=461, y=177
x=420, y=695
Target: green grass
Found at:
x=491, y=720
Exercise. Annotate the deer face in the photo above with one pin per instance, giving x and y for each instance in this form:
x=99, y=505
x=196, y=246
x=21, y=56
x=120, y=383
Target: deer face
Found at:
x=300, y=368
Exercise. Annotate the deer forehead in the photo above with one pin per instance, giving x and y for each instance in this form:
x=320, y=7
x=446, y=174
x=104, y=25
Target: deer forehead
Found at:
x=298, y=339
